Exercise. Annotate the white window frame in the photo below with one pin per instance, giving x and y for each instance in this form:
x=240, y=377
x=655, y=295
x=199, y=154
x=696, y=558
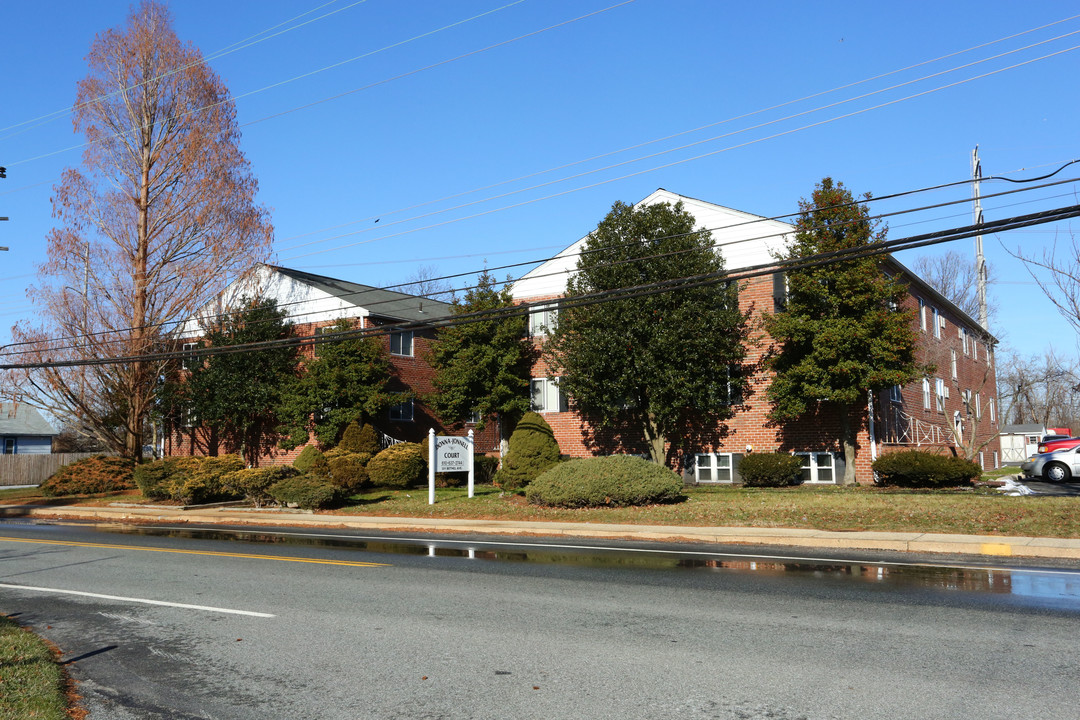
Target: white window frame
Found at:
x=939, y=394
x=978, y=406
x=937, y=321
x=926, y=393
x=399, y=339
x=896, y=394
x=402, y=412
x=542, y=319
x=962, y=332
x=714, y=465
x=812, y=468
x=186, y=358
x=953, y=363
x=546, y=397
x=990, y=406
x=922, y=314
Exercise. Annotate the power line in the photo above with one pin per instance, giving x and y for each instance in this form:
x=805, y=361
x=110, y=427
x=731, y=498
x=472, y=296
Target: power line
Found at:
x=717, y=245
x=644, y=290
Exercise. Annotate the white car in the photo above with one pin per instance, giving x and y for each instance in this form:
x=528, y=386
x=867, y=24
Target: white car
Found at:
x=1056, y=466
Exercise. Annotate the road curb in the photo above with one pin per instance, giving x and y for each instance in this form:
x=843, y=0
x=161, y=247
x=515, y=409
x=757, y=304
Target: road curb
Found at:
x=989, y=545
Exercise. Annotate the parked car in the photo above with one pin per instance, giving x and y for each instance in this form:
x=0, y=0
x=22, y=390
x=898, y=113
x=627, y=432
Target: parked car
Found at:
x=1055, y=466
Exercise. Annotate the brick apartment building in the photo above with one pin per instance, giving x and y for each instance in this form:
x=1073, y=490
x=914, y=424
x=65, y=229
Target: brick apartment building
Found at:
x=939, y=413
x=315, y=302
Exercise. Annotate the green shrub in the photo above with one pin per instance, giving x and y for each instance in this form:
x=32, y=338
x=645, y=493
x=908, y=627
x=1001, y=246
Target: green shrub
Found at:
x=153, y=478
x=305, y=491
x=919, y=469
x=398, y=466
x=533, y=450
x=770, y=470
x=484, y=468
x=254, y=483
x=201, y=482
x=95, y=474
x=306, y=457
x=615, y=481
x=358, y=439
x=349, y=472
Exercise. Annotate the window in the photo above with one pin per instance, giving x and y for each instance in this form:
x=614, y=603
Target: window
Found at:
x=962, y=333
x=974, y=349
x=938, y=321
x=474, y=418
x=546, y=396
x=953, y=365
x=818, y=467
x=978, y=407
x=402, y=412
x=922, y=314
x=188, y=360
x=896, y=394
x=10, y=446
x=712, y=467
x=990, y=408
x=939, y=393
x=926, y=393
x=734, y=385
x=542, y=320
x=780, y=291
x=401, y=343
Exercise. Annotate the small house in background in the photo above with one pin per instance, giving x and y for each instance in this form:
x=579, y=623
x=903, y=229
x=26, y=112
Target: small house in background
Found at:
x=1019, y=442
x=23, y=430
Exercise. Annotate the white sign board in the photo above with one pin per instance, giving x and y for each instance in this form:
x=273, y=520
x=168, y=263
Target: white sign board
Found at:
x=453, y=454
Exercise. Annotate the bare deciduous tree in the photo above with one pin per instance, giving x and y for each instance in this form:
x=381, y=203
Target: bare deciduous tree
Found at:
x=1044, y=390
x=426, y=282
x=1057, y=272
x=955, y=276
x=160, y=216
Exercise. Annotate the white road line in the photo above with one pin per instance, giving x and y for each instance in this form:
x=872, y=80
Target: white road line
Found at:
x=144, y=601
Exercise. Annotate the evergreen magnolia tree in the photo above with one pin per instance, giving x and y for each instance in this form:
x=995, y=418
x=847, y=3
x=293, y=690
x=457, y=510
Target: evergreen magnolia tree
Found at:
x=347, y=379
x=659, y=366
x=482, y=367
x=233, y=395
x=840, y=333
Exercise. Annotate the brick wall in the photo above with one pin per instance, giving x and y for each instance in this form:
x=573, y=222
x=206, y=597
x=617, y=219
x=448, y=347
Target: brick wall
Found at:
x=896, y=425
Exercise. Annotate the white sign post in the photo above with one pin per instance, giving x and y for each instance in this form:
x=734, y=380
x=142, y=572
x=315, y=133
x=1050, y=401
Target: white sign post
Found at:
x=449, y=453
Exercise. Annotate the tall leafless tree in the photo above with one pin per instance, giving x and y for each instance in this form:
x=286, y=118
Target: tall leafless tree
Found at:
x=158, y=218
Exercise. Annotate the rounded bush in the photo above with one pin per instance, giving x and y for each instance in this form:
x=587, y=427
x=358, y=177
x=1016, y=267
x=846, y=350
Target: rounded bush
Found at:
x=920, y=469
x=615, y=481
x=254, y=483
x=201, y=482
x=348, y=471
x=95, y=474
x=484, y=468
x=357, y=439
x=305, y=492
x=153, y=478
x=306, y=457
x=533, y=450
x=770, y=470
x=398, y=466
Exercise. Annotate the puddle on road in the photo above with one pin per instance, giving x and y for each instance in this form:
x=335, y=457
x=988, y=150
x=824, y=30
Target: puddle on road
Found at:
x=1056, y=588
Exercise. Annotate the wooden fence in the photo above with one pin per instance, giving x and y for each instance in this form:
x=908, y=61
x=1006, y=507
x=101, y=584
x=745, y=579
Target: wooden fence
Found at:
x=33, y=469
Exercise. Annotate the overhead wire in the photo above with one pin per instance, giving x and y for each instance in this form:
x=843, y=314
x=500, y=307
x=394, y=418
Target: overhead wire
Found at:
x=632, y=292
x=716, y=246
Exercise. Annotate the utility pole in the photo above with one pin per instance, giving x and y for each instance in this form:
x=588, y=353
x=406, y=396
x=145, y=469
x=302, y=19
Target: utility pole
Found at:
x=980, y=261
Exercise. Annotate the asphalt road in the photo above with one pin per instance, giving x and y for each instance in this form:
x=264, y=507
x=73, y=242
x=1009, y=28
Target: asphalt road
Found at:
x=297, y=628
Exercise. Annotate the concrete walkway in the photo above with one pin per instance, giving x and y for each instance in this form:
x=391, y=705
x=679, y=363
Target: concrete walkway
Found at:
x=1026, y=547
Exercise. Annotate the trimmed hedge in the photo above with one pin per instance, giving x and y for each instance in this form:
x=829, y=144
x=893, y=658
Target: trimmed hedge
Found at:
x=770, y=470
x=615, y=481
x=306, y=457
x=358, y=439
x=533, y=449
x=189, y=480
x=255, y=483
x=95, y=474
x=348, y=471
x=153, y=478
x=306, y=492
x=919, y=469
x=398, y=466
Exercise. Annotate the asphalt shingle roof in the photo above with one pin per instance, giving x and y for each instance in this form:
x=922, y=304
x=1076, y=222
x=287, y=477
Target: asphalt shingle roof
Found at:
x=384, y=303
x=21, y=419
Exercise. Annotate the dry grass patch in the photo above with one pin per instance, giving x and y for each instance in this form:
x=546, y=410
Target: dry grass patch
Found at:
x=31, y=682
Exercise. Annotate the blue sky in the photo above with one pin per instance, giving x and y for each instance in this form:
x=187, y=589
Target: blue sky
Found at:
x=419, y=107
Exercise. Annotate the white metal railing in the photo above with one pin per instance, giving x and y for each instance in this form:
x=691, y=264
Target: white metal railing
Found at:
x=385, y=440
x=903, y=429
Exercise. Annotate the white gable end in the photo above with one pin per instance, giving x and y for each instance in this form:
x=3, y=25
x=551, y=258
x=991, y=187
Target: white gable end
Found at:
x=301, y=302
x=743, y=239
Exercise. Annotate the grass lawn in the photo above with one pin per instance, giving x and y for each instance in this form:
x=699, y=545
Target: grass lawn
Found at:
x=31, y=683
x=970, y=511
